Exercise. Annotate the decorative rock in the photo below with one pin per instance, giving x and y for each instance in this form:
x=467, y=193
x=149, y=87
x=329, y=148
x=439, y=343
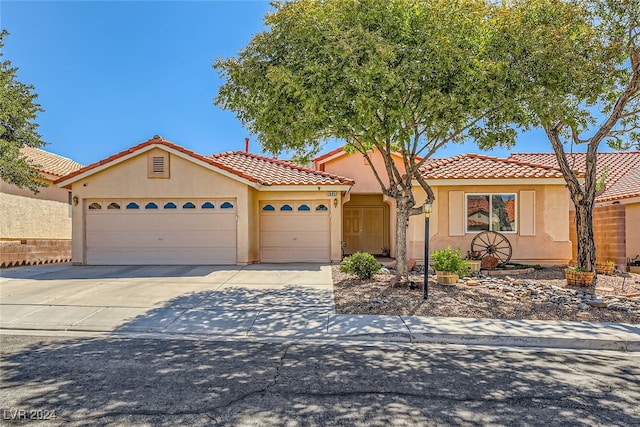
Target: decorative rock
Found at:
x=472, y=283
x=597, y=303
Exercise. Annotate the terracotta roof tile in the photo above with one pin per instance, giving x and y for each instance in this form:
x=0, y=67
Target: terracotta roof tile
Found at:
x=476, y=166
x=276, y=172
x=49, y=163
x=251, y=167
x=623, y=170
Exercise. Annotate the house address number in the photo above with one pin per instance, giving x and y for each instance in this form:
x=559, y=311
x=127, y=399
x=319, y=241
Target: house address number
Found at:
x=331, y=193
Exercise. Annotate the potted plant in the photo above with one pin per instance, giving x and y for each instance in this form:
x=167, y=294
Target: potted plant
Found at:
x=473, y=260
x=579, y=276
x=605, y=267
x=448, y=265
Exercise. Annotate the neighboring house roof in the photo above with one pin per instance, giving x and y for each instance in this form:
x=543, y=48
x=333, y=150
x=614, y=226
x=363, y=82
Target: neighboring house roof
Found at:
x=249, y=167
x=49, y=163
x=623, y=170
x=476, y=166
x=276, y=172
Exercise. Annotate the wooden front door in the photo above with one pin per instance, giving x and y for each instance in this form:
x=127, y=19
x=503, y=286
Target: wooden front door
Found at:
x=363, y=229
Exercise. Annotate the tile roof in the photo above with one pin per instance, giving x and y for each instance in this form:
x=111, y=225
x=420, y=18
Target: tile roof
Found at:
x=276, y=172
x=254, y=168
x=476, y=166
x=49, y=163
x=623, y=170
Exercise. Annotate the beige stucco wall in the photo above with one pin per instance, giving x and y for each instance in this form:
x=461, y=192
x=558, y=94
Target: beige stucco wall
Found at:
x=187, y=180
x=633, y=229
x=549, y=245
x=25, y=215
x=129, y=180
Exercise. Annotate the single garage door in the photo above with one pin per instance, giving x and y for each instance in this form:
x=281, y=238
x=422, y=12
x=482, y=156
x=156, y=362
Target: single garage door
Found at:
x=160, y=231
x=295, y=231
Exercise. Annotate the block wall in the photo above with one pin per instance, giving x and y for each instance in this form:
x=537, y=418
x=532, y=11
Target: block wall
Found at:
x=34, y=251
x=609, y=231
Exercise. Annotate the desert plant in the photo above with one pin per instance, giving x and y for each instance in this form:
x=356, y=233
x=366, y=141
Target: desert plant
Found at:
x=450, y=260
x=362, y=264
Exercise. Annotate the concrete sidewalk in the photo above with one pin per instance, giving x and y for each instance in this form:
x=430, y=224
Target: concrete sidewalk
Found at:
x=314, y=323
x=260, y=301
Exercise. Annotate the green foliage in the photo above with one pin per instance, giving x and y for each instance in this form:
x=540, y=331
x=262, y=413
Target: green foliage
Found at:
x=400, y=76
x=18, y=111
x=361, y=264
x=578, y=269
x=577, y=67
x=603, y=178
x=450, y=260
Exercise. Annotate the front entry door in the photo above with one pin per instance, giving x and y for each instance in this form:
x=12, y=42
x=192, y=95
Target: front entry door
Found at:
x=363, y=229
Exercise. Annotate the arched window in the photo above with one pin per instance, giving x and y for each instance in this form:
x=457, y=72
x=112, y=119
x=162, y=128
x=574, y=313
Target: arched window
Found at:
x=304, y=208
x=113, y=205
x=95, y=205
x=151, y=205
x=170, y=205
x=226, y=205
x=207, y=205
x=188, y=205
x=133, y=205
x=268, y=208
x=322, y=208
x=286, y=208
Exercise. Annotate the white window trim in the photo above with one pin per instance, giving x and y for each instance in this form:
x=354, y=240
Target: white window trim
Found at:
x=466, y=212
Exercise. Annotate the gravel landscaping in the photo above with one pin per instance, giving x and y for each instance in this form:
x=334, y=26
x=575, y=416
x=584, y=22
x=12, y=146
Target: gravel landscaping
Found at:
x=542, y=294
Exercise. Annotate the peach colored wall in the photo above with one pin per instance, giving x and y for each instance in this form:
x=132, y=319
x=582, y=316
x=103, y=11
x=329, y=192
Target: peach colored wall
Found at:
x=549, y=245
x=354, y=166
x=633, y=230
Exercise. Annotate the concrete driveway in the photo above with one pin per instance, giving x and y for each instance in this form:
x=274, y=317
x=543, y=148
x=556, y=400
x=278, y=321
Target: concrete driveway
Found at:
x=220, y=300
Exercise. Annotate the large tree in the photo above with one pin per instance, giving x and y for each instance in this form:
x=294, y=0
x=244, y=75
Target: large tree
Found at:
x=18, y=111
x=577, y=65
x=403, y=76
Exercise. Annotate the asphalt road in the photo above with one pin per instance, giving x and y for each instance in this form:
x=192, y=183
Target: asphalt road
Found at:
x=135, y=381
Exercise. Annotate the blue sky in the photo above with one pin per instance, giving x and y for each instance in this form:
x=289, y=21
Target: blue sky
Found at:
x=113, y=74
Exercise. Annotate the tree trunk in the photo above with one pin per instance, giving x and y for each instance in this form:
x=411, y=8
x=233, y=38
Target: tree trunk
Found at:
x=584, y=235
x=401, y=238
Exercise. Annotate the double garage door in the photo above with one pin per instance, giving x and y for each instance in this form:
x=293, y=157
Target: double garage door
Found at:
x=161, y=231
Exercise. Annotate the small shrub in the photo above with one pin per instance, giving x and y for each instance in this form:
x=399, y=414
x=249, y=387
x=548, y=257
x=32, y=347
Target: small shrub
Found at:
x=451, y=261
x=361, y=264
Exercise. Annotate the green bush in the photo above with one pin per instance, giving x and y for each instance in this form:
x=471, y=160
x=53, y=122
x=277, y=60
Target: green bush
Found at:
x=361, y=264
x=451, y=261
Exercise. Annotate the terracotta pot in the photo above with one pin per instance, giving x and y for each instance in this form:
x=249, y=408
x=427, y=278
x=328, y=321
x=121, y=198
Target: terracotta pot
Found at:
x=579, y=278
x=446, y=277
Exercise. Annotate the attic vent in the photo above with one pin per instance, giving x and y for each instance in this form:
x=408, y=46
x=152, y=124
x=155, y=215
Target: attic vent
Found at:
x=158, y=165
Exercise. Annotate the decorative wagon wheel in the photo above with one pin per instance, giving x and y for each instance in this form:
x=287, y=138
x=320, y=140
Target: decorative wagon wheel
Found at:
x=490, y=243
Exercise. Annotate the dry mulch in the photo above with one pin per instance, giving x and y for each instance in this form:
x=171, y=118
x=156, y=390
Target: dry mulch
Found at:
x=377, y=296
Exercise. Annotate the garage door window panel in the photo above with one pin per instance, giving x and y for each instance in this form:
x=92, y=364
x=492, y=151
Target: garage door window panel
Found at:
x=133, y=206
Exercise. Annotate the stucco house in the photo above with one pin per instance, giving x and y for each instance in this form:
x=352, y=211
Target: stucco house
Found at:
x=159, y=203
x=36, y=228
x=616, y=217
x=525, y=202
